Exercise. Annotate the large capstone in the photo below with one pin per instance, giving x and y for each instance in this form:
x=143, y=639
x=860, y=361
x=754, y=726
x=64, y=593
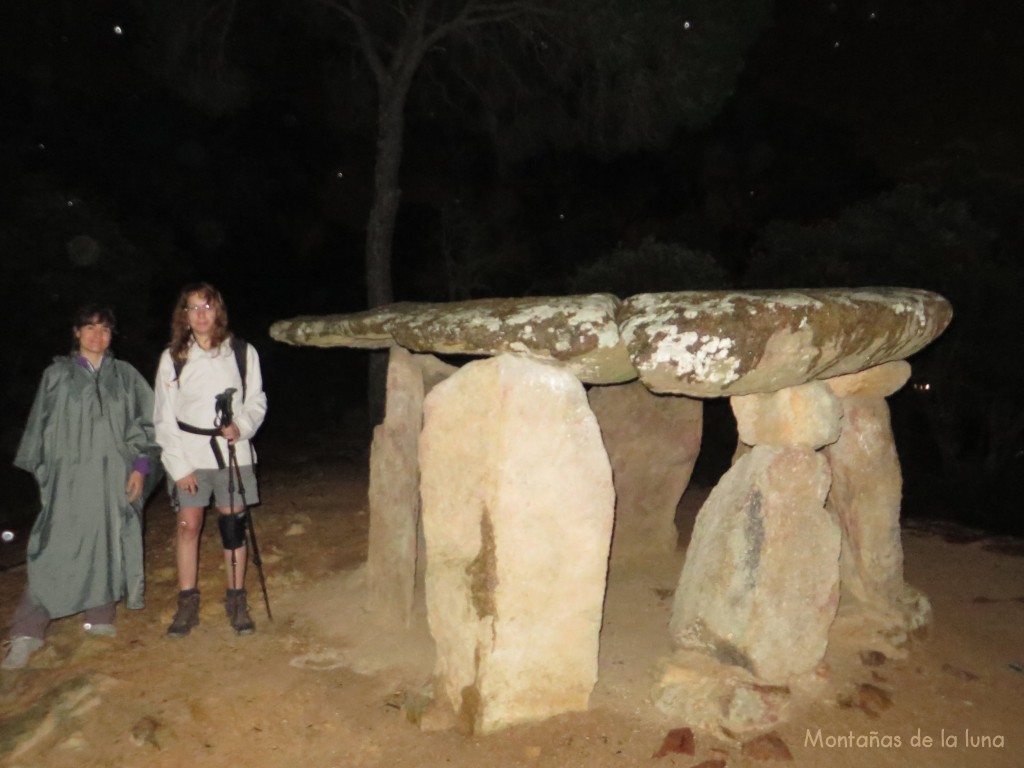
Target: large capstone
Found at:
x=575, y=332
x=517, y=513
x=708, y=344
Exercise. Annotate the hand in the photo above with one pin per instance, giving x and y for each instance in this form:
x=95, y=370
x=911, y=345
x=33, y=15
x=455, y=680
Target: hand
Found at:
x=231, y=433
x=188, y=484
x=134, y=487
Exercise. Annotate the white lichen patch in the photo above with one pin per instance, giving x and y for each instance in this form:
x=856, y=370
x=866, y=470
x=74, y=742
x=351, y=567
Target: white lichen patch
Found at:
x=694, y=305
x=706, y=359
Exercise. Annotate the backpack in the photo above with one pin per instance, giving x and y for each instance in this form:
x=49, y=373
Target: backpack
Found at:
x=240, y=348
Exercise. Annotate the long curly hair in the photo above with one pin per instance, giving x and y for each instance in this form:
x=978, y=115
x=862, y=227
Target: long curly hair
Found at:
x=181, y=333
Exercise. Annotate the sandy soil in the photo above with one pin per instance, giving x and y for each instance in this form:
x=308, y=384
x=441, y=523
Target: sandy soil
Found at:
x=323, y=686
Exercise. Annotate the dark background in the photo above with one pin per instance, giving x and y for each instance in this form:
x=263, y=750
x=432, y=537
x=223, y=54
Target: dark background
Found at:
x=852, y=143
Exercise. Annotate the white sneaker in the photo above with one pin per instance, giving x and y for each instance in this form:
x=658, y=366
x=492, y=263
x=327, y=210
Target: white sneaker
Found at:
x=103, y=630
x=18, y=651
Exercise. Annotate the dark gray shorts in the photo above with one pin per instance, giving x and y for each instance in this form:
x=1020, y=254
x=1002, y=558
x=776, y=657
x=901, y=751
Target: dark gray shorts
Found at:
x=213, y=484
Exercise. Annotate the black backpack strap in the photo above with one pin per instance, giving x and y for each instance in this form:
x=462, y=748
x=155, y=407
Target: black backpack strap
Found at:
x=241, y=349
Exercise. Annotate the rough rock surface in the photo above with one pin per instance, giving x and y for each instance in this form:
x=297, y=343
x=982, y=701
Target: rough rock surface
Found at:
x=361, y=330
x=652, y=443
x=696, y=343
x=760, y=585
x=577, y=332
x=879, y=381
x=696, y=689
x=866, y=489
x=394, y=494
x=808, y=415
x=517, y=513
x=434, y=370
x=708, y=344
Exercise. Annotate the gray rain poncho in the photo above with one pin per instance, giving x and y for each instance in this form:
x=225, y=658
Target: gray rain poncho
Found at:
x=84, y=432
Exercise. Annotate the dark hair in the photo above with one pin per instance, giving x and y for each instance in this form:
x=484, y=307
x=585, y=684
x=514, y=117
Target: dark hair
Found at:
x=92, y=314
x=95, y=314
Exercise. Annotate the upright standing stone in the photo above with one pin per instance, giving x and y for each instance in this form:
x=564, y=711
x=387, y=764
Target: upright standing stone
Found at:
x=394, y=493
x=517, y=513
x=652, y=442
x=760, y=585
x=867, y=486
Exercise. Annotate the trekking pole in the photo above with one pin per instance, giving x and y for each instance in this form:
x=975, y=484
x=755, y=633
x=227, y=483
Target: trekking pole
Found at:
x=250, y=529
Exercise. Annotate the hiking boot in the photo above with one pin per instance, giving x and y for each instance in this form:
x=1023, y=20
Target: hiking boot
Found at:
x=237, y=607
x=187, y=615
x=19, y=650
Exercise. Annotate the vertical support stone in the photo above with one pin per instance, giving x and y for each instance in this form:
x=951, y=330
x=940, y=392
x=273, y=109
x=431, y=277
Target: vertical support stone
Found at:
x=866, y=493
x=395, y=552
x=394, y=493
x=760, y=585
x=652, y=443
x=517, y=514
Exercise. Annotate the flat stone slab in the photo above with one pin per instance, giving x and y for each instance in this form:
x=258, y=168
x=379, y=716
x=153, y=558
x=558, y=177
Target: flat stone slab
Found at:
x=715, y=343
x=576, y=332
x=694, y=343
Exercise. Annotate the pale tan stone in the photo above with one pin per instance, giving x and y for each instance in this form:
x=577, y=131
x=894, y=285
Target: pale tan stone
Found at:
x=705, y=694
x=434, y=370
x=394, y=493
x=517, y=512
x=866, y=489
x=652, y=443
x=879, y=381
x=760, y=585
x=808, y=415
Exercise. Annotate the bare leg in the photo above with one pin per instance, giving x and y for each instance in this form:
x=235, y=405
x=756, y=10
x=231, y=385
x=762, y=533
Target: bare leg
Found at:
x=190, y=524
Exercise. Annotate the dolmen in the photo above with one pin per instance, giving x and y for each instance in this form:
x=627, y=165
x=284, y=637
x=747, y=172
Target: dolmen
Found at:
x=556, y=451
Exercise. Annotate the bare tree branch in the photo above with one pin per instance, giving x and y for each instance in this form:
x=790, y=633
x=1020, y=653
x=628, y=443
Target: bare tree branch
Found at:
x=349, y=9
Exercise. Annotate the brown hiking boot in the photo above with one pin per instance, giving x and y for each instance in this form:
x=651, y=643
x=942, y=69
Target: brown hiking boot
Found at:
x=187, y=615
x=237, y=607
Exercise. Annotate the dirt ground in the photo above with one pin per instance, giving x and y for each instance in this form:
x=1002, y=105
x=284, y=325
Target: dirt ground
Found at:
x=322, y=686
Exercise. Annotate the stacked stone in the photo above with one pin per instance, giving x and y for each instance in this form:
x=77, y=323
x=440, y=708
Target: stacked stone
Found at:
x=760, y=586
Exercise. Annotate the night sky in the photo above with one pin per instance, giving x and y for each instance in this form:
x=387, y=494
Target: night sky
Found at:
x=248, y=162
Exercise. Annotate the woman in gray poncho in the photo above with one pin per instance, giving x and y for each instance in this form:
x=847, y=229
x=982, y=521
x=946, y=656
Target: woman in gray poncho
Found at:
x=90, y=444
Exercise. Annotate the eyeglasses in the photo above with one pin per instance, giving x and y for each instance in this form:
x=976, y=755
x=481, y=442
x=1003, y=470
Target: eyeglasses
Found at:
x=198, y=308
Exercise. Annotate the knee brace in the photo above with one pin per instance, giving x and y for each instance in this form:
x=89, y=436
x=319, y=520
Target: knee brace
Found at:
x=232, y=529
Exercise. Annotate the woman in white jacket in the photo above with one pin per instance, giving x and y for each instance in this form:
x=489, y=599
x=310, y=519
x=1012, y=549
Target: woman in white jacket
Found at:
x=199, y=382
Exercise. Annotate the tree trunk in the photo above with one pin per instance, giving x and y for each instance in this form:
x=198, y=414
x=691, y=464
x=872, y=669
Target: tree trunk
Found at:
x=380, y=229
